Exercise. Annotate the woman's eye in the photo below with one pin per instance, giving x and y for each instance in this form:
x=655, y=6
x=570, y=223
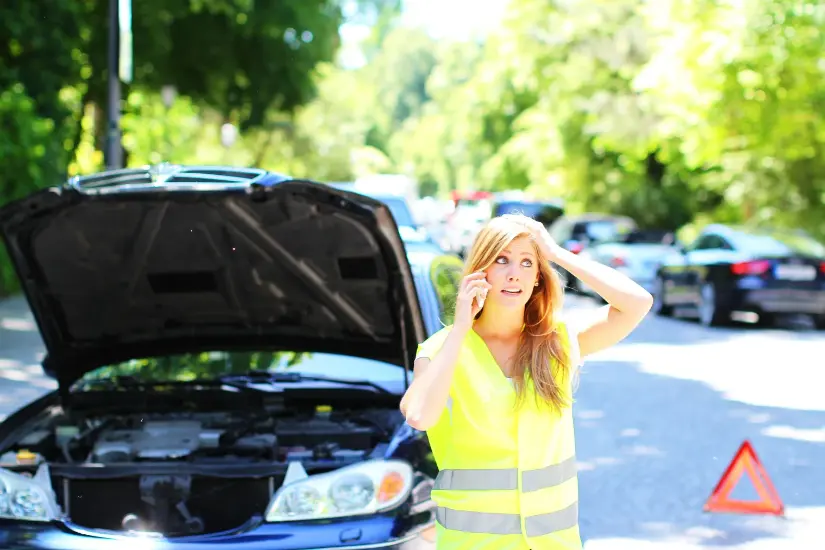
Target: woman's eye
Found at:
x=527, y=263
x=501, y=260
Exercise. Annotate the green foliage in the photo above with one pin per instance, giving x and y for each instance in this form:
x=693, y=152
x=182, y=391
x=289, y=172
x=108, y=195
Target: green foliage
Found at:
x=30, y=156
x=675, y=112
x=238, y=56
x=248, y=62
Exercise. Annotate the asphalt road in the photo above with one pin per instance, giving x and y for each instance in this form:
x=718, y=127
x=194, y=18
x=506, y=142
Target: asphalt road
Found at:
x=658, y=419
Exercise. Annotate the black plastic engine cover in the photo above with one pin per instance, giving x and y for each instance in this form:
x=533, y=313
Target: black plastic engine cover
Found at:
x=311, y=433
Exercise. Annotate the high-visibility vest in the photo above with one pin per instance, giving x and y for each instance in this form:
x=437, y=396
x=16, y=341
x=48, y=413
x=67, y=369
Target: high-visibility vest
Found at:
x=507, y=476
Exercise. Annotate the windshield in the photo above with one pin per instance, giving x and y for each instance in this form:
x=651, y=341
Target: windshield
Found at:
x=542, y=212
x=400, y=211
x=213, y=364
x=777, y=243
x=601, y=230
x=642, y=237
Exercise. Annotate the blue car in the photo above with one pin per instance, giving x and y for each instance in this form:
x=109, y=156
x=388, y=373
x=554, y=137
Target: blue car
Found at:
x=230, y=347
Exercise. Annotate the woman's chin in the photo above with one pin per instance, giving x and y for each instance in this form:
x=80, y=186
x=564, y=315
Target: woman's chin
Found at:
x=507, y=302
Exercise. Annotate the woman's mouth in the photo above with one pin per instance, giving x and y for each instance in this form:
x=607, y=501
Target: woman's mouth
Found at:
x=511, y=291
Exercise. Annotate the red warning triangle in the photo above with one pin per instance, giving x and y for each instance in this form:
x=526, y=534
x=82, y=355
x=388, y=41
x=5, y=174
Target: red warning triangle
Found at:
x=745, y=461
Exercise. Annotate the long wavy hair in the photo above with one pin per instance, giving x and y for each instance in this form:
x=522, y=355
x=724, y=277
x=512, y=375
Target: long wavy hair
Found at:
x=541, y=355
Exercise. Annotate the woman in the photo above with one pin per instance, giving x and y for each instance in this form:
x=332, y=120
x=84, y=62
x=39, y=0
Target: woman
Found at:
x=493, y=391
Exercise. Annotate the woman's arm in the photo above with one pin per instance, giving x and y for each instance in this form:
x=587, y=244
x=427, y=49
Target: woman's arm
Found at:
x=628, y=303
x=425, y=399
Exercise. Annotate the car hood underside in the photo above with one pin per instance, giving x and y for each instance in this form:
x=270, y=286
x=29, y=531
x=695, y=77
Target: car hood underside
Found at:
x=294, y=265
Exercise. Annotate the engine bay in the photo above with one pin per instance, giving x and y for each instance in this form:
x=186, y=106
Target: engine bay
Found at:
x=320, y=435
x=174, y=472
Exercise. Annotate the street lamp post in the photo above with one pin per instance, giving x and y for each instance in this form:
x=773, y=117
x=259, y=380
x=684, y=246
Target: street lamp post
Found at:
x=168, y=94
x=114, y=150
x=229, y=133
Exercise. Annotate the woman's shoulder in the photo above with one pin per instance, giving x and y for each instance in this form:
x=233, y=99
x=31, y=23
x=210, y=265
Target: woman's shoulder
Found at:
x=433, y=343
x=569, y=329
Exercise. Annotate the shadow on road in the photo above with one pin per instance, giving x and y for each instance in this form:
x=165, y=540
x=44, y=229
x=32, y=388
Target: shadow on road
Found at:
x=686, y=331
x=21, y=351
x=642, y=477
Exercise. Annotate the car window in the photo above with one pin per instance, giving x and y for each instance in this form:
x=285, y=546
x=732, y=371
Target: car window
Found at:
x=649, y=236
x=560, y=230
x=778, y=243
x=400, y=210
x=706, y=242
x=209, y=365
x=539, y=211
x=602, y=230
x=712, y=242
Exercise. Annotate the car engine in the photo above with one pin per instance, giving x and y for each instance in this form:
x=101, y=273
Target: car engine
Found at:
x=158, y=439
x=174, y=472
x=141, y=439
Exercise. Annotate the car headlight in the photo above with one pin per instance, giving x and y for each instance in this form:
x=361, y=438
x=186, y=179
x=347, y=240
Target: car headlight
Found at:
x=364, y=488
x=27, y=498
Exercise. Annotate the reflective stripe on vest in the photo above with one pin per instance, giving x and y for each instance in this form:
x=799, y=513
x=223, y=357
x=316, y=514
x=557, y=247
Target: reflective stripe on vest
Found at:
x=503, y=480
x=508, y=524
x=507, y=478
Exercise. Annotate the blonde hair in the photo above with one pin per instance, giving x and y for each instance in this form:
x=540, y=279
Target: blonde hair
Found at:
x=540, y=352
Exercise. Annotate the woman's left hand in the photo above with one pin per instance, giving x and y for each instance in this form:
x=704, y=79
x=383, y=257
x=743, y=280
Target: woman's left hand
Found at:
x=547, y=244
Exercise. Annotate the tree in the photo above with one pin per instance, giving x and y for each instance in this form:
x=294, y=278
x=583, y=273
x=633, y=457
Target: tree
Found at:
x=242, y=59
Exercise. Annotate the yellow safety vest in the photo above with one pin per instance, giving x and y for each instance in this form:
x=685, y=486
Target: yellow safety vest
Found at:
x=507, y=476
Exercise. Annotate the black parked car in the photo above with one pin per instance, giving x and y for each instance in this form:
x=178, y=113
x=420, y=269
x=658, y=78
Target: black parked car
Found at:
x=230, y=346
x=731, y=269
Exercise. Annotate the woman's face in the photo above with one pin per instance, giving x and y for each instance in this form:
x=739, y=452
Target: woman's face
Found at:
x=513, y=274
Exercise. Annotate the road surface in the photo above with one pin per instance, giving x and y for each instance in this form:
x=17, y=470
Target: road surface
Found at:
x=658, y=419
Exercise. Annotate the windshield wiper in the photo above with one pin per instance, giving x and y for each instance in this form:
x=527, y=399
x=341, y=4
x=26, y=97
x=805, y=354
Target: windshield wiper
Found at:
x=280, y=377
x=239, y=381
x=128, y=382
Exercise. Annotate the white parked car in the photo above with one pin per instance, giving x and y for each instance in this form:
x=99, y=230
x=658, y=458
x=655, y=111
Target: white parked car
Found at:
x=637, y=254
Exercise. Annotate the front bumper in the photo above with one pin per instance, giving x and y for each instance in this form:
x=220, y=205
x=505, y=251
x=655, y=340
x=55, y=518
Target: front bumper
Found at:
x=366, y=534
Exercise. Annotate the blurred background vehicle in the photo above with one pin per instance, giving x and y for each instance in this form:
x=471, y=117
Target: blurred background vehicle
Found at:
x=397, y=200
x=545, y=211
x=733, y=269
x=638, y=254
x=577, y=232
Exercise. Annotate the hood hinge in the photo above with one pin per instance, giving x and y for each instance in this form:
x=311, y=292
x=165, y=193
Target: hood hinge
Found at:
x=65, y=395
x=402, y=327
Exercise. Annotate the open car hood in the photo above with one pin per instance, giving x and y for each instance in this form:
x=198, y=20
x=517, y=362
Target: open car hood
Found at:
x=115, y=270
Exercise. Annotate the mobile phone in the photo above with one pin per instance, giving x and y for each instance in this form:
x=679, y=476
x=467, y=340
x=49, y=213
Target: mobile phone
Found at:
x=481, y=295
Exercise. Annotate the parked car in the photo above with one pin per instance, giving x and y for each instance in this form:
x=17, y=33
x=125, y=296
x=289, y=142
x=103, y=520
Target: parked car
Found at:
x=544, y=211
x=638, y=254
x=409, y=229
x=577, y=232
x=734, y=268
x=230, y=347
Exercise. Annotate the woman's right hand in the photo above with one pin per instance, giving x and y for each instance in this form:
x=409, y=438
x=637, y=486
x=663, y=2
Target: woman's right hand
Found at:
x=466, y=306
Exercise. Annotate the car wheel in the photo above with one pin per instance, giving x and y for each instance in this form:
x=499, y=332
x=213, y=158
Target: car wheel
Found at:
x=659, y=306
x=710, y=314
